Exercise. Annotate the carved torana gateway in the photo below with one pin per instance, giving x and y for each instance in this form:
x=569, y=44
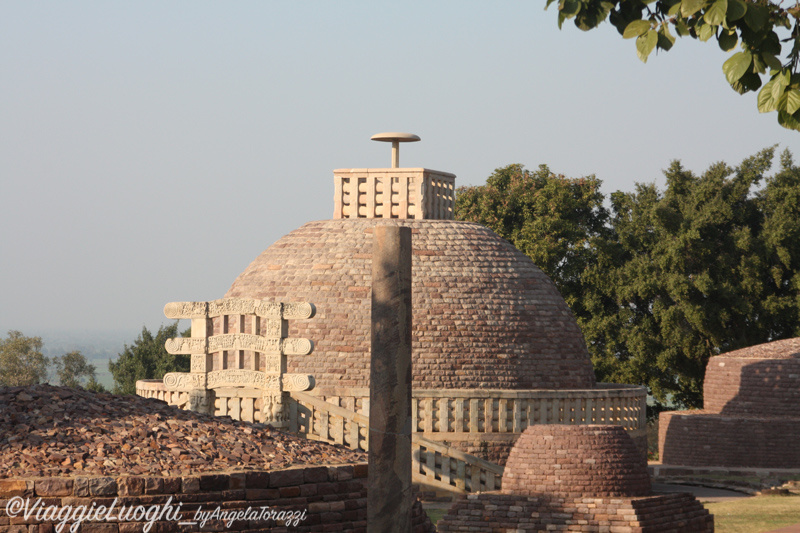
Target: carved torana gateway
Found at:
x=239, y=364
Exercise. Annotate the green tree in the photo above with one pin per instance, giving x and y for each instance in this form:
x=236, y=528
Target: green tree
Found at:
x=766, y=31
x=146, y=358
x=21, y=360
x=73, y=370
x=708, y=265
x=548, y=217
x=702, y=268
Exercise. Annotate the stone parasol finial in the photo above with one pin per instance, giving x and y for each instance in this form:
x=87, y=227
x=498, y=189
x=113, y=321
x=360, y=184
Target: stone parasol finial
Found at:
x=395, y=138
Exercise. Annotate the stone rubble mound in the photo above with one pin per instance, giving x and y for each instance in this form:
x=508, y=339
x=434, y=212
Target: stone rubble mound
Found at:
x=60, y=431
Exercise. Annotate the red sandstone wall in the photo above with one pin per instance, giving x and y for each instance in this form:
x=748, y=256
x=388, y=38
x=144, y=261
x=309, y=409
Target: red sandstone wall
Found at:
x=334, y=498
x=700, y=438
x=752, y=387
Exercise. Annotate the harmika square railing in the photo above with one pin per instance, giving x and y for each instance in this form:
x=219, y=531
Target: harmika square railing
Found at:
x=415, y=193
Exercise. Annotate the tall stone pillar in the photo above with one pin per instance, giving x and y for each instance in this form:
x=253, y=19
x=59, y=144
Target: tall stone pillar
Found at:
x=389, y=499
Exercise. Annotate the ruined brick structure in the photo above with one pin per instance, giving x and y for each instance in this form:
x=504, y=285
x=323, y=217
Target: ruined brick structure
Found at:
x=576, y=478
x=751, y=415
x=72, y=447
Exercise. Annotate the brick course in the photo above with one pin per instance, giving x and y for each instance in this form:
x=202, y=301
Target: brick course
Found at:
x=700, y=438
x=751, y=415
x=576, y=478
x=739, y=383
x=576, y=461
x=484, y=315
x=499, y=512
x=333, y=497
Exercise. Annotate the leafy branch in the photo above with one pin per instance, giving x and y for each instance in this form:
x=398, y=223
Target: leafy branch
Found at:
x=754, y=25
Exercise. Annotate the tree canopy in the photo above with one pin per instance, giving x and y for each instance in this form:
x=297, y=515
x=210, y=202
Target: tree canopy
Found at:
x=21, y=360
x=766, y=32
x=73, y=370
x=548, y=217
x=146, y=358
x=664, y=279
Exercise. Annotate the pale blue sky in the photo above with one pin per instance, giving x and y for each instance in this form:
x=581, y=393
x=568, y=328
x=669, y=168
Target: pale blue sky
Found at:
x=150, y=150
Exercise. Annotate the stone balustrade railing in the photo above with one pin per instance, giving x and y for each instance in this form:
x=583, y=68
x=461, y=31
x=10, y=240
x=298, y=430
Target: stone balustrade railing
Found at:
x=487, y=411
x=435, y=465
x=442, y=418
x=504, y=411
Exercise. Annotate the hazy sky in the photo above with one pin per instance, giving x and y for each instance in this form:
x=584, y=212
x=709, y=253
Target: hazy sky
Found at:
x=150, y=150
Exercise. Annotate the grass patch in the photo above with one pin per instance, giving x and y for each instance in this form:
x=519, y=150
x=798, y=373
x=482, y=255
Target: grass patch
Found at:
x=755, y=515
x=436, y=514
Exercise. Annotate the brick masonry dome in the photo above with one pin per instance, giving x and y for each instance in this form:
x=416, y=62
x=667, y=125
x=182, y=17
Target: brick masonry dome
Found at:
x=760, y=381
x=484, y=315
x=576, y=461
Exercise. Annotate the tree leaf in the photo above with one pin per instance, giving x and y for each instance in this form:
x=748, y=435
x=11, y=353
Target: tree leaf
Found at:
x=690, y=7
x=674, y=9
x=780, y=105
x=789, y=121
x=727, y=39
x=570, y=8
x=715, y=14
x=736, y=66
x=681, y=27
x=665, y=38
x=758, y=64
x=755, y=16
x=706, y=32
x=771, y=44
x=771, y=61
x=663, y=42
x=748, y=82
x=736, y=9
x=636, y=28
x=645, y=44
x=766, y=97
x=792, y=101
x=778, y=87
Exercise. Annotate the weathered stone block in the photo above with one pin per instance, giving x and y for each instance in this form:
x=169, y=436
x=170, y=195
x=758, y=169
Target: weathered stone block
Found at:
x=102, y=486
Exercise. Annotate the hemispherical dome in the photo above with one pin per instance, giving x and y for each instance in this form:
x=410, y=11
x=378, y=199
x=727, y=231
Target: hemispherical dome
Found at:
x=484, y=315
x=576, y=461
x=760, y=381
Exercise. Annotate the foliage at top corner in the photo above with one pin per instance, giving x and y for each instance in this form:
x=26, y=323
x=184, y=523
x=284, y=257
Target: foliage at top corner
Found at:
x=767, y=34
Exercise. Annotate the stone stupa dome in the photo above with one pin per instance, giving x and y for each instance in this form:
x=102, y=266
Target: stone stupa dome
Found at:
x=576, y=461
x=484, y=315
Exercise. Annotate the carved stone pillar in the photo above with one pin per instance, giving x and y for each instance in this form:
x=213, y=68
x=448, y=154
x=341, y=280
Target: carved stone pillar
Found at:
x=389, y=497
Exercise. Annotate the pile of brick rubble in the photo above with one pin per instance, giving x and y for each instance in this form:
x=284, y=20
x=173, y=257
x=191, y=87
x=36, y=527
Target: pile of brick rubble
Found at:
x=59, y=431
